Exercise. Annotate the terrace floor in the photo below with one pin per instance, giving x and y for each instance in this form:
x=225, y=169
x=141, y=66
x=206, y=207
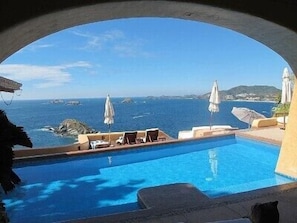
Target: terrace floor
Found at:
x=185, y=204
x=272, y=135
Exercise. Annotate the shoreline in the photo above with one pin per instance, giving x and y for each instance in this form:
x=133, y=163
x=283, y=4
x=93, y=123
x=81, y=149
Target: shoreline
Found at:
x=145, y=97
x=253, y=101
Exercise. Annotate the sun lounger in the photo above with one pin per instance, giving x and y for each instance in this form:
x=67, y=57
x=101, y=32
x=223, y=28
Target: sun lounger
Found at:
x=127, y=138
x=151, y=135
x=99, y=144
x=201, y=131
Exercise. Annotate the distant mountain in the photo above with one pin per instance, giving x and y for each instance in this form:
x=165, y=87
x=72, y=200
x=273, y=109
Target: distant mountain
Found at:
x=253, y=93
x=257, y=89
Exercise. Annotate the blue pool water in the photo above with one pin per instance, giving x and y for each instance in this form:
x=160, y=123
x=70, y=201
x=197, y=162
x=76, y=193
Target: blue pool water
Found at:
x=100, y=184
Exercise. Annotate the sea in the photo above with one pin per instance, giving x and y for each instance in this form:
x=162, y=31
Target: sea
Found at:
x=169, y=115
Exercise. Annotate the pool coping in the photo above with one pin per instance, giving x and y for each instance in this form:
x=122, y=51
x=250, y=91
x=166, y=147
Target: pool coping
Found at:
x=113, y=148
x=189, y=204
x=268, y=134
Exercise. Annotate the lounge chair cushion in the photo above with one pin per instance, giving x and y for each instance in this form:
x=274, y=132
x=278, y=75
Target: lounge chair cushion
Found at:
x=264, y=122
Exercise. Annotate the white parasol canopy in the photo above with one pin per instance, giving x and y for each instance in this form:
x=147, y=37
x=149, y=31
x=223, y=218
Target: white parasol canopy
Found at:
x=108, y=113
x=214, y=101
x=246, y=115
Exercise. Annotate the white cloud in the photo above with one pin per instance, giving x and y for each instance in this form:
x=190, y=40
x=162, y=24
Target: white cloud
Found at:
x=116, y=40
x=35, y=47
x=98, y=41
x=130, y=49
x=43, y=76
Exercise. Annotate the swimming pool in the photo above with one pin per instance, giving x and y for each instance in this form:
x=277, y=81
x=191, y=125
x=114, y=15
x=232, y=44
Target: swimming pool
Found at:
x=99, y=184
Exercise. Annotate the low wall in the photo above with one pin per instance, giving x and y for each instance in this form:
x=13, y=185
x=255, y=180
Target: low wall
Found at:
x=46, y=151
x=185, y=134
x=83, y=144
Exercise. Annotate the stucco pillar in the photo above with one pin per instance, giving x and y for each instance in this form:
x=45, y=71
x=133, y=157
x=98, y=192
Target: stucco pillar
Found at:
x=287, y=160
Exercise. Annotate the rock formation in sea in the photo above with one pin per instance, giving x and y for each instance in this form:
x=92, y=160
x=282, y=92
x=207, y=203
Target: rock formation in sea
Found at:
x=57, y=101
x=73, y=127
x=127, y=100
x=73, y=103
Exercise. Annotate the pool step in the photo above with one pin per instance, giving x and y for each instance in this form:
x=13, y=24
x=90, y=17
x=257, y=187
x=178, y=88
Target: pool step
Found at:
x=170, y=196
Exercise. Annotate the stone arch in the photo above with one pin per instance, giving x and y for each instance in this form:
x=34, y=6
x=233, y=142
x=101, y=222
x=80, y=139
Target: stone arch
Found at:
x=271, y=22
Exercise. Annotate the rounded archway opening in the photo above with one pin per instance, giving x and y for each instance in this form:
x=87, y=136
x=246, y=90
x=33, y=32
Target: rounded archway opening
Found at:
x=171, y=58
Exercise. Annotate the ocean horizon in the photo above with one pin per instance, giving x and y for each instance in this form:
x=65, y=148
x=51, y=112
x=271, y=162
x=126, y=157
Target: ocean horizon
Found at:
x=169, y=115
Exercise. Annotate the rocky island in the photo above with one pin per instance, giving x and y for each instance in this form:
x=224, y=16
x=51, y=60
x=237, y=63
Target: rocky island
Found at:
x=71, y=127
x=127, y=100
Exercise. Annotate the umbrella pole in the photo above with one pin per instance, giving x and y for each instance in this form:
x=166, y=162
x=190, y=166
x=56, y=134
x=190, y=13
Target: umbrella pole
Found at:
x=210, y=120
x=284, y=120
x=109, y=133
x=250, y=120
x=284, y=114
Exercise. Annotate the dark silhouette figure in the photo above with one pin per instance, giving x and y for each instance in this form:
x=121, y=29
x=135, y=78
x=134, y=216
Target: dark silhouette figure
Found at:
x=265, y=212
x=10, y=135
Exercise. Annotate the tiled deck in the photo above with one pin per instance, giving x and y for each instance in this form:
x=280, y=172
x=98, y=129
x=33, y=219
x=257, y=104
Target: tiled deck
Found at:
x=269, y=134
x=186, y=205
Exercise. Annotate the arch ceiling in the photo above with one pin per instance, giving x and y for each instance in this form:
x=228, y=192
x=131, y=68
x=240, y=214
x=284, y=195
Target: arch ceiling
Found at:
x=271, y=22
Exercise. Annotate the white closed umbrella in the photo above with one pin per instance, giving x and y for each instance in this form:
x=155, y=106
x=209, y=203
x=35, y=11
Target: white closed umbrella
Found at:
x=286, y=90
x=214, y=101
x=108, y=113
x=286, y=87
x=246, y=115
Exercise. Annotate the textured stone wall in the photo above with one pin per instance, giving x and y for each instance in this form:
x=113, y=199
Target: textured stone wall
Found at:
x=287, y=161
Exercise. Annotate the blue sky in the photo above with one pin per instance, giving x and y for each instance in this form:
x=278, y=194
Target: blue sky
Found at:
x=141, y=57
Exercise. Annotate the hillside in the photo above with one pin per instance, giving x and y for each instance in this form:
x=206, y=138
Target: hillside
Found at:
x=254, y=93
